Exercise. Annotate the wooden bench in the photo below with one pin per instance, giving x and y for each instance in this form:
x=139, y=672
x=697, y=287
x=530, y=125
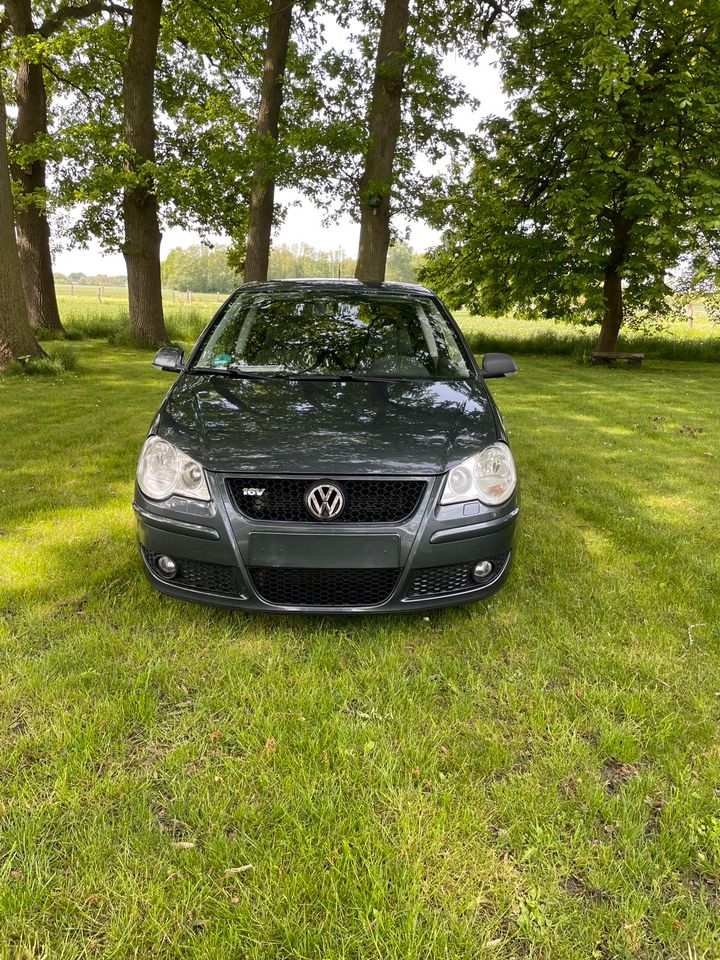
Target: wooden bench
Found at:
x=605, y=356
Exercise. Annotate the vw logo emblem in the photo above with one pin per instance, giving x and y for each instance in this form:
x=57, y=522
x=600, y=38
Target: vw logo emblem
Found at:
x=325, y=501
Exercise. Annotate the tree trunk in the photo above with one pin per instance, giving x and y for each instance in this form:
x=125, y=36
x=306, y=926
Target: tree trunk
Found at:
x=613, y=316
x=612, y=286
x=262, y=198
x=141, y=247
x=16, y=337
x=383, y=129
x=33, y=230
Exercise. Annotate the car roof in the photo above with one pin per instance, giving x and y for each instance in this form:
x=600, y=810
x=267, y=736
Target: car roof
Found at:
x=334, y=283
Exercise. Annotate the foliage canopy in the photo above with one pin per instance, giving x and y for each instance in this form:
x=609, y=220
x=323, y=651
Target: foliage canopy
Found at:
x=606, y=169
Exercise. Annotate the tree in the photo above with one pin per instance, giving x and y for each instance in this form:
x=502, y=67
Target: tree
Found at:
x=695, y=279
x=207, y=72
x=32, y=225
x=410, y=110
x=30, y=142
x=605, y=173
x=383, y=129
x=16, y=336
x=141, y=246
x=200, y=269
x=302, y=260
x=207, y=84
x=401, y=260
x=260, y=217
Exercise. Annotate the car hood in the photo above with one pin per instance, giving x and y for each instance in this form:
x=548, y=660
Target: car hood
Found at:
x=326, y=427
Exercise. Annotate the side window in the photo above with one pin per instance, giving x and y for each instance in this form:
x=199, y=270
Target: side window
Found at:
x=445, y=337
x=224, y=336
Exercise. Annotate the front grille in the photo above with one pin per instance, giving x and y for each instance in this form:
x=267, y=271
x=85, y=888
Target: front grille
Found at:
x=366, y=501
x=435, y=581
x=194, y=575
x=298, y=587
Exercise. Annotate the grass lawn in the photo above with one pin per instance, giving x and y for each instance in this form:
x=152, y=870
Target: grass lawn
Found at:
x=537, y=775
x=672, y=341
x=84, y=316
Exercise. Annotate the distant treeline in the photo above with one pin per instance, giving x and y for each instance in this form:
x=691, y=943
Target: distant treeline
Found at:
x=205, y=270
x=91, y=280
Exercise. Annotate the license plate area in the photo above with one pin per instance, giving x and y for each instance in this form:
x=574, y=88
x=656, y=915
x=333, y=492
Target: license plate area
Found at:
x=329, y=551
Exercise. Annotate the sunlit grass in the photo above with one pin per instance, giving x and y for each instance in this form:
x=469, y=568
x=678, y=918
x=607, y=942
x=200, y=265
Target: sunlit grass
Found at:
x=675, y=341
x=532, y=776
x=87, y=316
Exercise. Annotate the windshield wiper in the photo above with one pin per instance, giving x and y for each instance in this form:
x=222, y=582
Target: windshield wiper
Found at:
x=373, y=378
x=347, y=376
x=241, y=374
x=234, y=372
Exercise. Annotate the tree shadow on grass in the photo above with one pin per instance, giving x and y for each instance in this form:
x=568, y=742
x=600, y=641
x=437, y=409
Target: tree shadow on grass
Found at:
x=67, y=496
x=98, y=576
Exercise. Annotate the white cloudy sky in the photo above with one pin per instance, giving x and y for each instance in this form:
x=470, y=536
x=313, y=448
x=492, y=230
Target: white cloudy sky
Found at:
x=303, y=223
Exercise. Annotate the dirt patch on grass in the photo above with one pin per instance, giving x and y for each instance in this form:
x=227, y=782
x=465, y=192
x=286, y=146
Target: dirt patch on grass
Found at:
x=615, y=775
x=576, y=886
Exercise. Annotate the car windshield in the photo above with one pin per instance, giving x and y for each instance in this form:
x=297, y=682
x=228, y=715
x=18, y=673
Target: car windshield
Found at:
x=334, y=334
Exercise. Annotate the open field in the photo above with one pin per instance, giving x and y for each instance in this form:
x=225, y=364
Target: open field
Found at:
x=84, y=316
x=538, y=775
x=675, y=341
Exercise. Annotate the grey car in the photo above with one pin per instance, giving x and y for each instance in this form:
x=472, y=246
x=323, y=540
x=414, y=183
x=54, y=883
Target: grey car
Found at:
x=328, y=446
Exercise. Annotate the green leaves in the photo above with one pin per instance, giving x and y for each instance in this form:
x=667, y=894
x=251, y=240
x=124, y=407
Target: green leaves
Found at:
x=609, y=158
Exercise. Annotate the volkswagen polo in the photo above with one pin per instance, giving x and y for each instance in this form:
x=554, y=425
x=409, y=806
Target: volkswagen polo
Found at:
x=328, y=446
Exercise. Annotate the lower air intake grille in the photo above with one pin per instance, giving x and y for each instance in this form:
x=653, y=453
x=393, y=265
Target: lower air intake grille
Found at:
x=366, y=501
x=194, y=575
x=435, y=581
x=298, y=587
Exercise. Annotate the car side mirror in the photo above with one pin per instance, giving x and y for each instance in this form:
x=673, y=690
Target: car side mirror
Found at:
x=497, y=365
x=169, y=358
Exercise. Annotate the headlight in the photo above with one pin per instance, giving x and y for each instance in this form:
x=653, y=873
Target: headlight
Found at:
x=488, y=476
x=164, y=470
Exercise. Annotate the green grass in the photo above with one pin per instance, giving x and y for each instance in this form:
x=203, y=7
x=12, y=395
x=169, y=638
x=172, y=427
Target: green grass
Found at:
x=537, y=775
x=85, y=317
x=59, y=358
x=675, y=341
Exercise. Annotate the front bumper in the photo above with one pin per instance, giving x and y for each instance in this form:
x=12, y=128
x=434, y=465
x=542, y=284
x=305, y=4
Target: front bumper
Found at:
x=231, y=561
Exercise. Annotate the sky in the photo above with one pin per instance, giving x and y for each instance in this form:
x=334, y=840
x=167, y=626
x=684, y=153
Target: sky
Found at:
x=303, y=222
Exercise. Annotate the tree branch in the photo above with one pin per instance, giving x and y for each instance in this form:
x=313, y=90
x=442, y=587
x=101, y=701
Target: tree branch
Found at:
x=53, y=23
x=69, y=83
